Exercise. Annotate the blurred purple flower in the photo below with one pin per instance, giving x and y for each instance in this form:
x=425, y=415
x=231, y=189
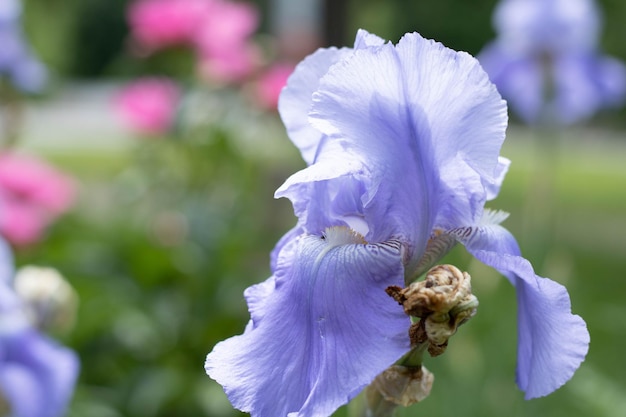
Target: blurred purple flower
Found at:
x=546, y=62
x=17, y=61
x=402, y=144
x=37, y=375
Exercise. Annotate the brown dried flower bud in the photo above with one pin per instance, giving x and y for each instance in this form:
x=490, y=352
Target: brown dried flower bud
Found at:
x=443, y=301
x=399, y=385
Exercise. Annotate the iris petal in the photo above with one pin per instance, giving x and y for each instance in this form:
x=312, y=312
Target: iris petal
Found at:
x=322, y=328
x=295, y=99
x=396, y=115
x=552, y=342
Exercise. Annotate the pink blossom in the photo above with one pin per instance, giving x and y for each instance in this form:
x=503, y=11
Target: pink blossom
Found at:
x=157, y=24
x=227, y=25
x=225, y=51
x=270, y=84
x=229, y=66
x=32, y=194
x=149, y=105
x=218, y=30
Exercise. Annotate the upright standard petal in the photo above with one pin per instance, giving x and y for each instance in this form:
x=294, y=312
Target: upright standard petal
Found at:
x=395, y=115
x=295, y=100
x=322, y=328
x=552, y=342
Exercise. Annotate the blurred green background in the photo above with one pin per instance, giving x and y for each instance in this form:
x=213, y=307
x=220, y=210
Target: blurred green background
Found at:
x=167, y=234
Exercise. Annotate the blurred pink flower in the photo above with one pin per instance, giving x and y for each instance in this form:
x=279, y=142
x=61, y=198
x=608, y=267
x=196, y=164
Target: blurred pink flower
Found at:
x=218, y=30
x=226, y=25
x=32, y=194
x=158, y=24
x=230, y=66
x=148, y=105
x=225, y=50
x=270, y=84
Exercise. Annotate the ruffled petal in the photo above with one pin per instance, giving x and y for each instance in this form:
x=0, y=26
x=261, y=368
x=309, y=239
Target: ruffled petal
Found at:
x=322, y=328
x=492, y=186
x=552, y=342
x=395, y=115
x=519, y=80
x=295, y=99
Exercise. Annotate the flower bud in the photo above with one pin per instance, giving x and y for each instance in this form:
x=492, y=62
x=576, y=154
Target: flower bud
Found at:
x=50, y=301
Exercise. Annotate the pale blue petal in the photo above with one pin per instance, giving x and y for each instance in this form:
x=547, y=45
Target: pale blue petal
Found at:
x=552, y=342
x=319, y=202
x=322, y=328
x=364, y=39
x=287, y=238
x=295, y=99
x=492, y=186
x=397, y=114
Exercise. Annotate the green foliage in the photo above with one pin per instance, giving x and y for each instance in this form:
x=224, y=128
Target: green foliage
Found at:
x=165, y=239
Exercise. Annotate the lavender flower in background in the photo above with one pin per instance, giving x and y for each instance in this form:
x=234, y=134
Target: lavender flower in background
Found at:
x=17, y=61
x=546, y=61
x=402, y=145
x=37, y=375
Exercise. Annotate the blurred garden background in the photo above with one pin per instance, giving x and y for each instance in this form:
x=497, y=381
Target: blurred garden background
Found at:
x=171, y=222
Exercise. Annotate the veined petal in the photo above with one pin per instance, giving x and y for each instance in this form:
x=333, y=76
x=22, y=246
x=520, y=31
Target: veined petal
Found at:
x=295, y=99
x=403, y=112
x=519, y=79
x=492, y=186
x=322, y=328
x=552, y=342
x=364, y=39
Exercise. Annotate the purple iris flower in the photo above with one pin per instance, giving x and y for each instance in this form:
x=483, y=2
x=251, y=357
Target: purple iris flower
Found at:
x=17, y=62
x=546, y=62
x=37, y=375
x=402, y=145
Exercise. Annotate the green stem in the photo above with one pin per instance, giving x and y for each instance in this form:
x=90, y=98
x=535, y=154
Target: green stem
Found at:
x=415, y=357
